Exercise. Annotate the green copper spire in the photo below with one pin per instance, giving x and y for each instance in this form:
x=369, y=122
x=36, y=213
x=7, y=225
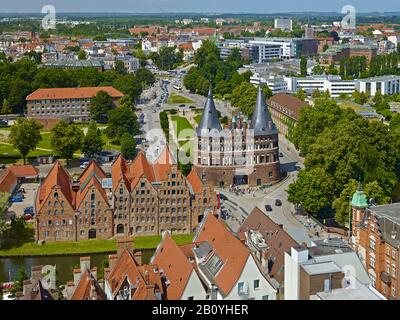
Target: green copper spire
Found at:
x=359, y=199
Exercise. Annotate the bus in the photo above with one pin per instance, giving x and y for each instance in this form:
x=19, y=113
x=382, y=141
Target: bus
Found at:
x=178, y=88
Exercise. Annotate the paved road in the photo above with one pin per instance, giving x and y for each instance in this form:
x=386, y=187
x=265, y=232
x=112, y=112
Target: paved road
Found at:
x=239, y=206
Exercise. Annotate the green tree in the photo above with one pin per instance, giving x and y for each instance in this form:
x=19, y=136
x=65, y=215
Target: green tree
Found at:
x=312, y=189
x=92, y=142
x=128, y=145
x=244, y=97
x=303, y=66
x=144, y=75
x=100, y=106
x=3, y=226
x=25, y=136
x=375, y=192
x=66, y=139
x=6, y=108
x=120, y=67
x=82, y=55
x=19, y=282
x=300, y=94
x=120, y=121
x=342, y=203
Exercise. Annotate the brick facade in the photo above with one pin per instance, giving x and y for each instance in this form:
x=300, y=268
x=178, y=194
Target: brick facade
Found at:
x=140, y=202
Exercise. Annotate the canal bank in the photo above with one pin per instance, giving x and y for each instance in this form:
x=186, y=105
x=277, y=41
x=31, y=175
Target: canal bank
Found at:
x=64, y=264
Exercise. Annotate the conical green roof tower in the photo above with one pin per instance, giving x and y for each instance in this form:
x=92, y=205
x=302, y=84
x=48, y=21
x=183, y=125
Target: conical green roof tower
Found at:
x=359, y=199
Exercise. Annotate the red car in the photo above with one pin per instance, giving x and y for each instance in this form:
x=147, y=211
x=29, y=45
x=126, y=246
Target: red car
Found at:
x=28, y=217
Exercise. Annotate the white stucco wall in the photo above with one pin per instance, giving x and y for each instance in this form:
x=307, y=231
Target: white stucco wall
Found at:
x=250, y=273
x=194, y=288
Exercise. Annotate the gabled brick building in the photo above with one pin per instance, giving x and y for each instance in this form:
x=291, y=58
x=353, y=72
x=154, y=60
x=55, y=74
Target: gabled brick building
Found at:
x=140, y=198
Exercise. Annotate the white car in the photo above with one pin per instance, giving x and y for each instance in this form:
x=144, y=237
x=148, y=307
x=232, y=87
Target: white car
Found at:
x=84, y=165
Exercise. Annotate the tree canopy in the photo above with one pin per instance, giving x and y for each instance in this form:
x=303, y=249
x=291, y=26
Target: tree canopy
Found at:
x=67, y=139
x=25, y=135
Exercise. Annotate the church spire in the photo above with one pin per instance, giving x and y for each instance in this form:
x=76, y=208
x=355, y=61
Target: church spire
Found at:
x=261, y=122
x=209, y=120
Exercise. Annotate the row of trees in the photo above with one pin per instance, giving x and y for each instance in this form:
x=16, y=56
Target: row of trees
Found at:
x=340, y=146
x=244, y=97
x=358, y=67
x=212, y=70
x=18, y=79
x=167, y=58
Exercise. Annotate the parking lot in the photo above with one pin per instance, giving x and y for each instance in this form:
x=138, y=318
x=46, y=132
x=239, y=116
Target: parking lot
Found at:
x=17, y=209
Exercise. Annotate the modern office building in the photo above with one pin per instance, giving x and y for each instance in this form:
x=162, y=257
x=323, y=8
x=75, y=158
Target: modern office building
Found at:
x=276, y=48
x=389, y=84
x=334, y=84
x=283, y=24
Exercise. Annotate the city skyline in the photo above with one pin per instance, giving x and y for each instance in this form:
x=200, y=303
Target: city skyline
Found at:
x=206, y=6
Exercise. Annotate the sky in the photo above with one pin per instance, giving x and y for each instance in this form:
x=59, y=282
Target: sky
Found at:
x=203, y=6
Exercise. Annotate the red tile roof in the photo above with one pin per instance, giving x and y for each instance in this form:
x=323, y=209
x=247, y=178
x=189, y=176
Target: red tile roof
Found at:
x=88, y=289
x=278, y=240
x=8, y=181
x=24, y=171
x=195, y=181
x=72, y=93
x=57, y=176
x=141, y=167
x=175, y=265
x=230, y=250
x=291, y=105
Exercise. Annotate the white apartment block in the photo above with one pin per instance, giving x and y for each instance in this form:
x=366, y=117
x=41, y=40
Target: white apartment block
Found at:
x=334, y=84
x=385, y=85
x=283, y=24
x=275, y=48
x=276, y=84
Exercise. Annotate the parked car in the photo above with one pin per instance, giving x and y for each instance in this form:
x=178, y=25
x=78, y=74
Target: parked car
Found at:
x=223, y=197
x=192, y=107
x=2, y=166
x=28, y=217
x=84, y=165
x=281, y=154
x=17, y=198
x=268, y=208
x=28, y=210
x=278, y=202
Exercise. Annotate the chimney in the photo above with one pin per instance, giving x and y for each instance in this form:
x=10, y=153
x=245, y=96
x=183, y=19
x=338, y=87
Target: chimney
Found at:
x=27, y=287
x=84, y=264
x=77, y=276
x=126, y=243
x=299, y=254
x=36, y=273
x=70, y=289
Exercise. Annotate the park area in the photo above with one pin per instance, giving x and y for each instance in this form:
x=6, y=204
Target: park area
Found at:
x=178, y=99
x=9, y=154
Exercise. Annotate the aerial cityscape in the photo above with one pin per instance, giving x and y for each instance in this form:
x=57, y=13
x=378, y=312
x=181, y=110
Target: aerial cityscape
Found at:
x=177, y=150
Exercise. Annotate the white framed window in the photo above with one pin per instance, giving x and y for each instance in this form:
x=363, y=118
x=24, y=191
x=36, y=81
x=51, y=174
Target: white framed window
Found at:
x=372, y=262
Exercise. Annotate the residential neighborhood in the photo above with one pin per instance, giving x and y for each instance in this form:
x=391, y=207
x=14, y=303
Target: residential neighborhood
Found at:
x=215, y=157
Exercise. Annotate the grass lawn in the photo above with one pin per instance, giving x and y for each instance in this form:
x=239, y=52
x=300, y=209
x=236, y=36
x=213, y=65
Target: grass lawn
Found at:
x=180, y=124
x=198, y=118
x=9, y=155
x=86, y=246
x=353, y=105
x=177, y=99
